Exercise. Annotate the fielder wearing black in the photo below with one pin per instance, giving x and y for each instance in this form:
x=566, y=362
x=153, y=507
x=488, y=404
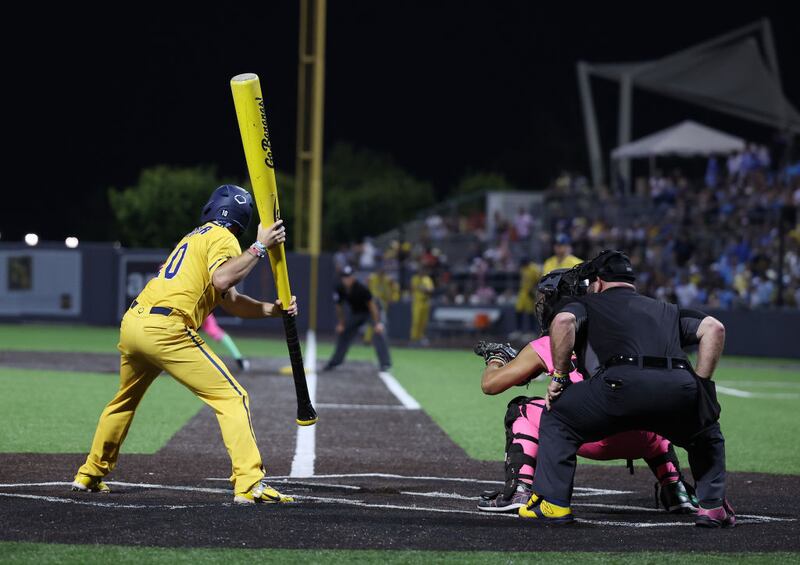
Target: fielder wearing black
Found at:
x=629, y=347
x=362, y=306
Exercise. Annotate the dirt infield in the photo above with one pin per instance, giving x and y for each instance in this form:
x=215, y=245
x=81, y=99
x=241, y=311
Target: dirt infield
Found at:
x=385, y=477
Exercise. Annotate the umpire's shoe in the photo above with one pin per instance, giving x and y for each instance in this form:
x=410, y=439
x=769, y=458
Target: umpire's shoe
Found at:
x=262, y=493
x=720, y=517
x=85, y=483
x=546, y=512
x=676, y=499
x=496, y=501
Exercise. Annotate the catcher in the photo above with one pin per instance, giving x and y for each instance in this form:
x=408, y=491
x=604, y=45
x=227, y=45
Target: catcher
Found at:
x=505, y=368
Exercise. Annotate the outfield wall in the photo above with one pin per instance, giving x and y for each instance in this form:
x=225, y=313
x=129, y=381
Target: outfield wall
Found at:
x=96, y=282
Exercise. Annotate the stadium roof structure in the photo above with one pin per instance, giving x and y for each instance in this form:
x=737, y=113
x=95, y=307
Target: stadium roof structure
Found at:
x=685, y=139
x=732, y=74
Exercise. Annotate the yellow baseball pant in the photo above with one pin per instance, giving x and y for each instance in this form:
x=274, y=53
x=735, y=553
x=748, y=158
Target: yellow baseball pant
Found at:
x=420, y=311
x=151, y=343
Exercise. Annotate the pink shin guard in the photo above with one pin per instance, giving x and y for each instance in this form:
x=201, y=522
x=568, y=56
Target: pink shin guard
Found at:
x=651, y=447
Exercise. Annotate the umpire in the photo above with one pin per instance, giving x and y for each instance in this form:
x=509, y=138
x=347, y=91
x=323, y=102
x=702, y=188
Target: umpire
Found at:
x=362, y=307
x=631, y=348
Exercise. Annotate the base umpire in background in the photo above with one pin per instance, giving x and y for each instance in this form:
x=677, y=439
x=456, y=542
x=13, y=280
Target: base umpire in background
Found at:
x=631, y=348
x=362, y=307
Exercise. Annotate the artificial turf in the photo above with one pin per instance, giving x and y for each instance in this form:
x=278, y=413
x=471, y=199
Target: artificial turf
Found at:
x=760, y=432
x=45, y=554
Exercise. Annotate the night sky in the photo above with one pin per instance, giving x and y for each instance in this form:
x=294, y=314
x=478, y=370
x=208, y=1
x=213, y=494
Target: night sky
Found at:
x=445, y=87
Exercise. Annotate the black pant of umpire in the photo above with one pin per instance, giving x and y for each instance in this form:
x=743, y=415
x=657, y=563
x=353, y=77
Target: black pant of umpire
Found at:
x=346, y=338
x=625, y=398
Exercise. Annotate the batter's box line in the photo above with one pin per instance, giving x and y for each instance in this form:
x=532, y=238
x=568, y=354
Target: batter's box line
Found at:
x=346, y=501
x=579, y=491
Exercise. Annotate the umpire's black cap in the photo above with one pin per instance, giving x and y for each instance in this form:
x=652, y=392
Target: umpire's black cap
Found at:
x=613, y=266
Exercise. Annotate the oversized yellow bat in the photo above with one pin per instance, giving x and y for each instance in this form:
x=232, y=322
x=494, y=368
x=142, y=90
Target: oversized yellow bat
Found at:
x=251, y=111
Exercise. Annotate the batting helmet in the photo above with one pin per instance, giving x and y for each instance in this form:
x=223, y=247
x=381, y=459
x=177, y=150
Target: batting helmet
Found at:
x=228, y=205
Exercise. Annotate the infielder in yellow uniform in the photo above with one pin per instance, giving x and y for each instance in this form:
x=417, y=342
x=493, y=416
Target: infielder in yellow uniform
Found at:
x=159, y=333
x=529, y=275
x=385, y=290
x=421, y=291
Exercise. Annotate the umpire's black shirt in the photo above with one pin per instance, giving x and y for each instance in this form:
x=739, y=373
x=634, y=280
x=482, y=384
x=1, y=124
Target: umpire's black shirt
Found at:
x=357, y=297
x=619, y=321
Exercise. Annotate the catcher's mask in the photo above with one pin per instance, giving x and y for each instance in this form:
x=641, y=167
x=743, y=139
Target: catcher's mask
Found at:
x=554, y=286
x=610, y=265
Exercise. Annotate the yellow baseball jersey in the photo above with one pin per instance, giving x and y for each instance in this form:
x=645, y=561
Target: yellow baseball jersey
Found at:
x=529, y=276
x=384, y=288
x=553, y=263
x=421, y=288
x=184, y=280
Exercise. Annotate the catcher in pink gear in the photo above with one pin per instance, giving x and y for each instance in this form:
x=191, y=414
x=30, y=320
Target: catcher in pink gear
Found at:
x=522, y=419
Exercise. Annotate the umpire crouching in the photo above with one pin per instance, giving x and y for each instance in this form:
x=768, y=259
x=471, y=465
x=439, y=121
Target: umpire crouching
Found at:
x=630, y=347
x=362, y=308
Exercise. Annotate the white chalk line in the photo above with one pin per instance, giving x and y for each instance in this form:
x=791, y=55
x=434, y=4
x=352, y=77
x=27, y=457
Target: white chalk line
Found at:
x=761, y=384
x=745, y=394
x=306, y=443
x=351, y=502
x=397, y=389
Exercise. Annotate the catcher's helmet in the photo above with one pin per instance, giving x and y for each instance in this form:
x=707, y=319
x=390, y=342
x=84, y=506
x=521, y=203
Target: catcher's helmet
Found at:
x=552, y=288
x=229, y=204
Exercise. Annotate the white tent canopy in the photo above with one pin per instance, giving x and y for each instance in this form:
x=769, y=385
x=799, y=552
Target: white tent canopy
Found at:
x=685, y=139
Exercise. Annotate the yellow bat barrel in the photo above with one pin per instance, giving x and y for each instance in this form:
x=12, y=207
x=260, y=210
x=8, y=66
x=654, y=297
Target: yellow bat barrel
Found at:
x=251, y=112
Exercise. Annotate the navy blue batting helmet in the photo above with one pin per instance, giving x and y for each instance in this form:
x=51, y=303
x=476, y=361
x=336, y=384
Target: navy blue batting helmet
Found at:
x=228, y=205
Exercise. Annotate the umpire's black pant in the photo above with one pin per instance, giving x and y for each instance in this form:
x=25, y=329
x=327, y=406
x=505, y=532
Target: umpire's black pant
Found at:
x=345, y=338
x=625, y=398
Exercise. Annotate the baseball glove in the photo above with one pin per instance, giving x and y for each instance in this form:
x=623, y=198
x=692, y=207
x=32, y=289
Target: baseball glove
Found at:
x=502, y=352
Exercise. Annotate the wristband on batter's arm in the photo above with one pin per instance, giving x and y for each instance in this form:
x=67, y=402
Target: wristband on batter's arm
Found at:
x=258, y=250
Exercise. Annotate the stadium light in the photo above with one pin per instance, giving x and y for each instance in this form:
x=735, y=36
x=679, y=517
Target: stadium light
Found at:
x=31, y=239
x=71, y=242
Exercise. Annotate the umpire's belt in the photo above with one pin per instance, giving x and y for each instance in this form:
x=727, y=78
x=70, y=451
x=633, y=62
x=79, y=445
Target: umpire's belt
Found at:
x=647, y=362
x=162, y=310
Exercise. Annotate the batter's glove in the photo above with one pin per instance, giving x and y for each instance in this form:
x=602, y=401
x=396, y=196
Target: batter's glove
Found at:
x=502, y=352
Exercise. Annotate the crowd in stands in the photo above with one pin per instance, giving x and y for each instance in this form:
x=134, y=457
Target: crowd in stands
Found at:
x=710, y=242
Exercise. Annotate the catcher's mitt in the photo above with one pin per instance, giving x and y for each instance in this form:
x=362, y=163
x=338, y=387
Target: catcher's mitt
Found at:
x=502, y=352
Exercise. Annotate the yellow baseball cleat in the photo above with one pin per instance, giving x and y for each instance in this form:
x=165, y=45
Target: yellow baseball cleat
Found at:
x=262, y=493
x=85, y=483
x=546, y=512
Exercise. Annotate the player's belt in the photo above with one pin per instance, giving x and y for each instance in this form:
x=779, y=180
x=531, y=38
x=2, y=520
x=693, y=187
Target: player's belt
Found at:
x=648, y=362
x=160, y=310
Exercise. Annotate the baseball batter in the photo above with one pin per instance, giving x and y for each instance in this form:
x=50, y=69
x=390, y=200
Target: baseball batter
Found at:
x=159, y=333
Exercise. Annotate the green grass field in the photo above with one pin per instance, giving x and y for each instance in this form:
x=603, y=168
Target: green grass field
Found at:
x=46, y=554
x=760, y=431
x=56, y=412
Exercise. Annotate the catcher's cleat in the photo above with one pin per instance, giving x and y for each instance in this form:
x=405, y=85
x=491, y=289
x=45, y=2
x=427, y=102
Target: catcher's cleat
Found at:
x=675, y=498
x=244, y=364
x=85, y=483
x=720, y=517
x=495, y=501
x=261, y=493
x=546, y=512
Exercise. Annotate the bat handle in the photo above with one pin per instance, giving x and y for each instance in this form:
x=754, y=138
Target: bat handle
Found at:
x=306, y=415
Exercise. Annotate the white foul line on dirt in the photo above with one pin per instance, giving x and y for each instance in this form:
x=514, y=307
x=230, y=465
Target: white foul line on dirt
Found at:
x=397, y=389
x=306, y=446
